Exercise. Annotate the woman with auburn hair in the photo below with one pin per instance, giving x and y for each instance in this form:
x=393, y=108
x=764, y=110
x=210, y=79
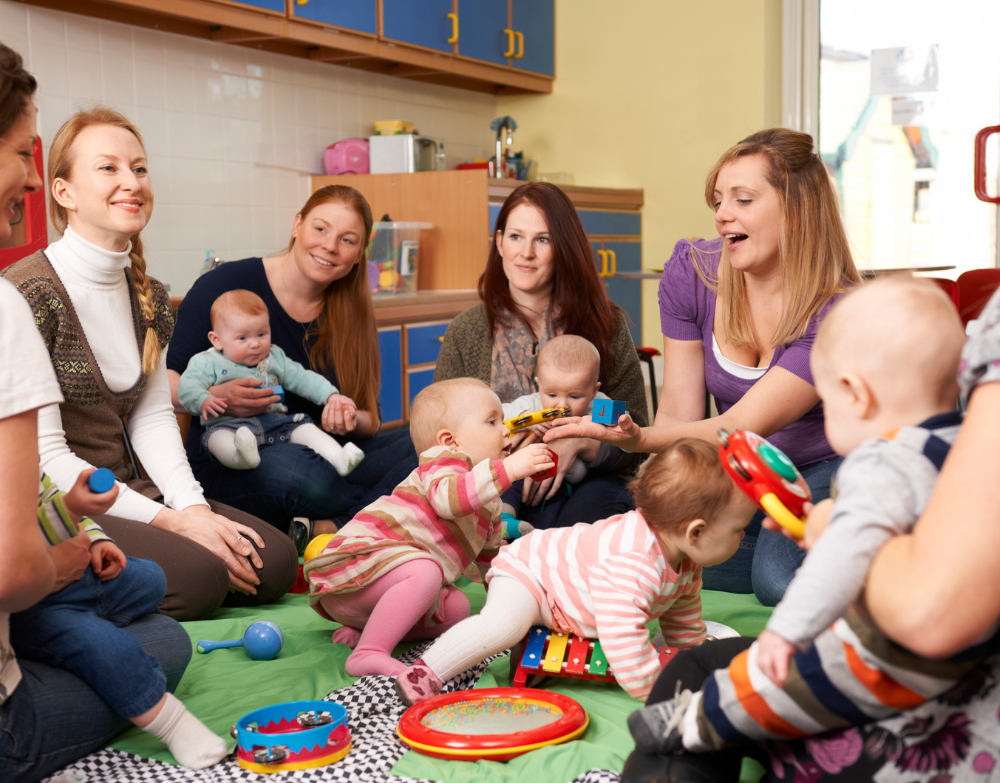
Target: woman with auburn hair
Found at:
x=321, y=315
x=89, y=291
x=739, y=314
x=541, y=281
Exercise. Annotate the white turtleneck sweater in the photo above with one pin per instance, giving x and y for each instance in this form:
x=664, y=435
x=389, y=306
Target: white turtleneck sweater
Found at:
x=96, y=283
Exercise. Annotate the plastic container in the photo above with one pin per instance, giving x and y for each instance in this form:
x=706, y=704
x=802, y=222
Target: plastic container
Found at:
x=392, y=127
x=393, y=257
x=347, y=156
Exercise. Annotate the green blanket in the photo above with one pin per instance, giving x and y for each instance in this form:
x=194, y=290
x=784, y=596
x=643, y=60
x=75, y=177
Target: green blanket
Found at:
x=221, y=686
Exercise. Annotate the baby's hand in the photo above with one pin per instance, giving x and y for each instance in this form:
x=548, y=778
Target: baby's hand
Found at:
x=817, y=521
x=214, y=405
x=106, y=559
x=527, y=461
x=774, y=657
x=81, y=501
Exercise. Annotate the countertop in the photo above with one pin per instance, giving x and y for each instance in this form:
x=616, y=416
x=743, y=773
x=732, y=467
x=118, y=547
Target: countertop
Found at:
x=422, y=306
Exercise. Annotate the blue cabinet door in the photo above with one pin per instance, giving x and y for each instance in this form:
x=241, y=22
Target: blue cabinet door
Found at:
x=359, y=15
x=390, y=396
x=269, y=5
x=417, y=381
x=420, y=22
x=481, y=25
x=626, y=257
x=535, y=21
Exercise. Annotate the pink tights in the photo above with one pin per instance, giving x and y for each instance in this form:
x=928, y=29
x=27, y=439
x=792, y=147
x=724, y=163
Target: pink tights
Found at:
x=395, y=607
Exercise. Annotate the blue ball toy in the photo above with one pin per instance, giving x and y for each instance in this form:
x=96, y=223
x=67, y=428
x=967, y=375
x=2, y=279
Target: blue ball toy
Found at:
x=101, y=480
x=262, y=641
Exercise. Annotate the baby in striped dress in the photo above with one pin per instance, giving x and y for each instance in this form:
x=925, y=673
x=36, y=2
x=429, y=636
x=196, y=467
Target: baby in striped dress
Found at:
x=388, y=575
x=885, y=363
x=608, y=579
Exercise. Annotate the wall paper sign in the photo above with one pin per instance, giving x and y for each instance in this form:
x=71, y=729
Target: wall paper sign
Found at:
x=904, y=70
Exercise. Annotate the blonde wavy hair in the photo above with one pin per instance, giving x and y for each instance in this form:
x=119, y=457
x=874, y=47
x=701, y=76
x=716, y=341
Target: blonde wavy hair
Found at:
x=61, y=159
x=814, y=255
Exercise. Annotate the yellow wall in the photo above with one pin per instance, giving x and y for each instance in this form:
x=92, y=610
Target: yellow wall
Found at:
x=649, y=93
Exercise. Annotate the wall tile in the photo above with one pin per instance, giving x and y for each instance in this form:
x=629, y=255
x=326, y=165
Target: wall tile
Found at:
x=183, y=134
x=236, y=135
x=50, y=68
x=151, y=83
x=153, y=126
x=118, y=75
x=237, y=180
x=211, y=138
x=208, y=93
x=262, y=186
x=14, y=23
x=181, y=85
x=47, y=27
x=116, y=38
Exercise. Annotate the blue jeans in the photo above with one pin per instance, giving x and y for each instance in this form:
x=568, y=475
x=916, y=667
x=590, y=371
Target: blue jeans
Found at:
x=82, y=629
x=766, y=561
x=293, y=480
x=52, y=718
x=596, y=497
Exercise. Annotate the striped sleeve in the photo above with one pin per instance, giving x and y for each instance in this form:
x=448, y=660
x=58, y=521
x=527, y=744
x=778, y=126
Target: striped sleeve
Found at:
x=682, y=624
x=458, y=491
x=55, y=520
x=624, y=587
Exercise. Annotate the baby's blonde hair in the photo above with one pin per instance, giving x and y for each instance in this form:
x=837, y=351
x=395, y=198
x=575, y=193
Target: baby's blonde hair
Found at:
x=897, y=332
x=435, y=407
x=571, y=353
x=238, y=300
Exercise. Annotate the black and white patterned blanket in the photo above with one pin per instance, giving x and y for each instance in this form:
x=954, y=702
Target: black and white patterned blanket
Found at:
x=373, y=710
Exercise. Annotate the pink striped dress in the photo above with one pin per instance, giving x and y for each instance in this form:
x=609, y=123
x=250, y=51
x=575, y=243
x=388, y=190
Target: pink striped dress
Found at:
x=447, y=510
x=606, y=581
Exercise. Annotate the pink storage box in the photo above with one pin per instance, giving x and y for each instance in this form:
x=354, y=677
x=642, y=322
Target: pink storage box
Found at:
x=347, y=156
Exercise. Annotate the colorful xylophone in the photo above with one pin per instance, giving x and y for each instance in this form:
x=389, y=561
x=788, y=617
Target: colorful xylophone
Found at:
x=555, y=654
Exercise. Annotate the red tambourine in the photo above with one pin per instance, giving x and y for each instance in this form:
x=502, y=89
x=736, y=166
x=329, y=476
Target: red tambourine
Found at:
x=767, y=477
x=464, y=725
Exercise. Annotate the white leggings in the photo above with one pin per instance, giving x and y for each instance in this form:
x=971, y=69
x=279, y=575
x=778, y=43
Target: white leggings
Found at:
x=510, y=611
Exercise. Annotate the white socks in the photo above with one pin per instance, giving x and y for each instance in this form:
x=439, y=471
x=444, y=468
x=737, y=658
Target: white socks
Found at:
x=343, y=458
x=192, y=743
x=236, y=450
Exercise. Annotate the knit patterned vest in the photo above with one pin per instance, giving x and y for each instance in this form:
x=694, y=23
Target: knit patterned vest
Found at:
x=92, y=413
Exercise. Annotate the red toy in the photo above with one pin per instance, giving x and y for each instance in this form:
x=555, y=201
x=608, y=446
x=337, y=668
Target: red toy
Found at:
x=491, y=723
x=554, y=654
x=767, y=477
x=551, y=472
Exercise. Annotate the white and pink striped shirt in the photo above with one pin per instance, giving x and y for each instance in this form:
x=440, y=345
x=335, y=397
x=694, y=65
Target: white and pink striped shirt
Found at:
x=447, y=510
x=606, y=581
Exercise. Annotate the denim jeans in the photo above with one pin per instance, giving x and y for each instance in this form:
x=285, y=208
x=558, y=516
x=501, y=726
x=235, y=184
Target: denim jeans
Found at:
x=766, y=561
x=52, y=718
x=81, y=629
x=596, y=497
x=293, y=480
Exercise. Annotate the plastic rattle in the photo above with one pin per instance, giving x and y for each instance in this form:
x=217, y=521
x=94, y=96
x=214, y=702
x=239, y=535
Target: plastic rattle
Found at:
x=767, y=477
x=525, y=420
x=101, y=480
x=262, y=641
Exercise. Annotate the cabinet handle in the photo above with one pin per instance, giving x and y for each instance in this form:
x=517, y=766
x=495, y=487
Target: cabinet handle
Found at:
x=520, y=46
x=604, y=263
x=301, y=2
x=454, y=27
x=614, y=262
x=510, y=44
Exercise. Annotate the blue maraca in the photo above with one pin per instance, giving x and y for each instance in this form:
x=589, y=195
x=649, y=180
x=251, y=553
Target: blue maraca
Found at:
x=101, y=480
x=262, y=641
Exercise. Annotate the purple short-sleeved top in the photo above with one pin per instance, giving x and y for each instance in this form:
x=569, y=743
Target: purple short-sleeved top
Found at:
x=687, y=312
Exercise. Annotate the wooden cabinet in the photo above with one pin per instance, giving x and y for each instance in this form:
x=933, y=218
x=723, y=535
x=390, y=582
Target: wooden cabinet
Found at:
x=507, y=48
x=357, y=15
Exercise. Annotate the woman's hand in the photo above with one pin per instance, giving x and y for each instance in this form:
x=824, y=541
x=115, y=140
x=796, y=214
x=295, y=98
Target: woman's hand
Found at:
x=244, y=396
x=567, y=451
x=71, y=558
x=626, y=435
x=227, y=540
x=340, y=415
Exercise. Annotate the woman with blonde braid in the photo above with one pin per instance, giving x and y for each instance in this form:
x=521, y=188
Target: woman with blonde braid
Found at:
x=106, y=324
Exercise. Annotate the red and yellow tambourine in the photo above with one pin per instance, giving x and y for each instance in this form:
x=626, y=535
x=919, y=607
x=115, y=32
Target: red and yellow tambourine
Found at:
x=767, y=477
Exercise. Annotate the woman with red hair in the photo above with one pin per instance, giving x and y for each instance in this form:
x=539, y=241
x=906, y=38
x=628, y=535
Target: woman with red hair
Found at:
x=539, y=272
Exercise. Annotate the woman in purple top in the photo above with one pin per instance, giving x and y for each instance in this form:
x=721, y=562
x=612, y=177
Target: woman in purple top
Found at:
x=739, y=314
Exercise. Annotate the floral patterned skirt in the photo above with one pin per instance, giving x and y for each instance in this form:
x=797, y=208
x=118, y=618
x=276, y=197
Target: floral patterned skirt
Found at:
x=953, y=739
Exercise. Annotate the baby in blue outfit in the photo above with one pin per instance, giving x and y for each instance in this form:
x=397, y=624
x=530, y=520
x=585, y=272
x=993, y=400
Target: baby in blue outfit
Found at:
x=241, y=348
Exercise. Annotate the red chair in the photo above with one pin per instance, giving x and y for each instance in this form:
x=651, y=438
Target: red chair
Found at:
x=950, y=287
x=31, y=234
x=975, y=288
x=646, y=355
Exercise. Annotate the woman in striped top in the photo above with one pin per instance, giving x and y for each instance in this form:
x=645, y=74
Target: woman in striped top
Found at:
x=608, y=579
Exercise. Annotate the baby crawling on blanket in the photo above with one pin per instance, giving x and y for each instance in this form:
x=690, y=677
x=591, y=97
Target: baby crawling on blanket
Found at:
x=388, y=575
